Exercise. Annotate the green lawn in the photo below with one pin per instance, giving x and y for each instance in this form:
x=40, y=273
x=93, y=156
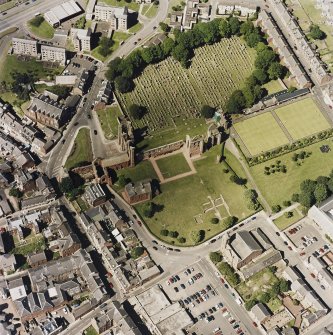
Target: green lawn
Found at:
x=135, y=28
x=90, y=331
x=43, y=31
x=261, y=133
x=150, y=11
x=273, y=86
x=173, y=165
x=131, y=5
x=108, y=121
x=274, y=305
x=188, y=196
x=302, y=118
x=280, y=186
x=34, y=244
x=282, y=222
x=12, y=63
x=191, y=127
x=143, y=170
x=82, y=151
x=257, y=284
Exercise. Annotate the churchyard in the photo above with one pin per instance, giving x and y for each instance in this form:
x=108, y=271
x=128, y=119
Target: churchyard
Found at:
x=200, y=197
x=168, y=91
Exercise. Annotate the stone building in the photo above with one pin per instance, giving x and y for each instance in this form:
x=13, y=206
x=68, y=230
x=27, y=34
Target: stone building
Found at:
x=138, y=192
x=48, y=112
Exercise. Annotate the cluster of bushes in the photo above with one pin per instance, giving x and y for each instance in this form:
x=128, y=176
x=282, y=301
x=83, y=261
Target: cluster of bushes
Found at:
x=229, y=273
x=275, y=168
x=278, y=287
x=150, y=208
x=71, y=188
x=37, y=21
x=80, y=23
x=314, y=191
x=299, y=157
x=173, y=234
x=198, y=236
x=137, y=252
x=215, y=257
x=289, y=147
x=238, y=180
x=251, y=197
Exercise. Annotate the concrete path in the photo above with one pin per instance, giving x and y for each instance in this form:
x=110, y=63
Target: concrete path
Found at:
x=288, y=209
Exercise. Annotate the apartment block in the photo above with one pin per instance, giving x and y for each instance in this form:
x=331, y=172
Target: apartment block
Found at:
x=81, y=39
x=53, y=54
x=24, y=47
x=117, y=16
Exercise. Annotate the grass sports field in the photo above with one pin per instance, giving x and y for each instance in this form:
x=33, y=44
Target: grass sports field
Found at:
x=190, y=196
x=260, y=133
x=173, y=165
x=302, y=119
x=168, y=90
x=282, y=126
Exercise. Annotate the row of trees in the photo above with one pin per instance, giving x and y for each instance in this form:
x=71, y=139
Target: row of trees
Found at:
x=267, y=67
x=229, y=273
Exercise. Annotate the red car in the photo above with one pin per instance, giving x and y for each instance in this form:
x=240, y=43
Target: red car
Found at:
x=222, y=280
x=254, y=324
x=139, y=223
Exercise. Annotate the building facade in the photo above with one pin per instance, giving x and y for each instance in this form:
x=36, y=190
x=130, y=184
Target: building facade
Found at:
x=24, y=47
x=81, y=39
x=53, y=54
x=117, y=16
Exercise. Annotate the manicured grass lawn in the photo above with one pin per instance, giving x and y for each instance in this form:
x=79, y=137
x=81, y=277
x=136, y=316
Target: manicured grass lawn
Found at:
x=302, y=118
x=280, y=186
x=143, y=170
x=188, y=196
x=150, y=11
x=191, y=127
x=135, y=28
x=173, y=165
x=108, y=121
x=131, y=5
x=257, y=284
x=43, y=31
x=273, y=86
x=90, y=331
x=282, y=222
x=12, y=63
x=261, y=133
x=82, y=151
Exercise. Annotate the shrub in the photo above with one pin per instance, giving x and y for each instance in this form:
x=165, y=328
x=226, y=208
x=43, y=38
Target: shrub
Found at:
x=276, y=208
x=198, y=236
x=164, y=232
x=214, y=221
x=173, y=234
x=181, y=239
x=215, y=257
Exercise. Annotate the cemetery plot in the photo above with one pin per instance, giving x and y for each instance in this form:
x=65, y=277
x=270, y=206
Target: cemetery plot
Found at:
x=260, y=133
x=302, y=118
x=167, y=90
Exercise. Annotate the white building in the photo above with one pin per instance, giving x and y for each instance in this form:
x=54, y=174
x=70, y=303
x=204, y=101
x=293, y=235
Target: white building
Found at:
x=117, y=16
x=24, y=47
x=81, y=39
x=62, y=12
x=54, y=54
